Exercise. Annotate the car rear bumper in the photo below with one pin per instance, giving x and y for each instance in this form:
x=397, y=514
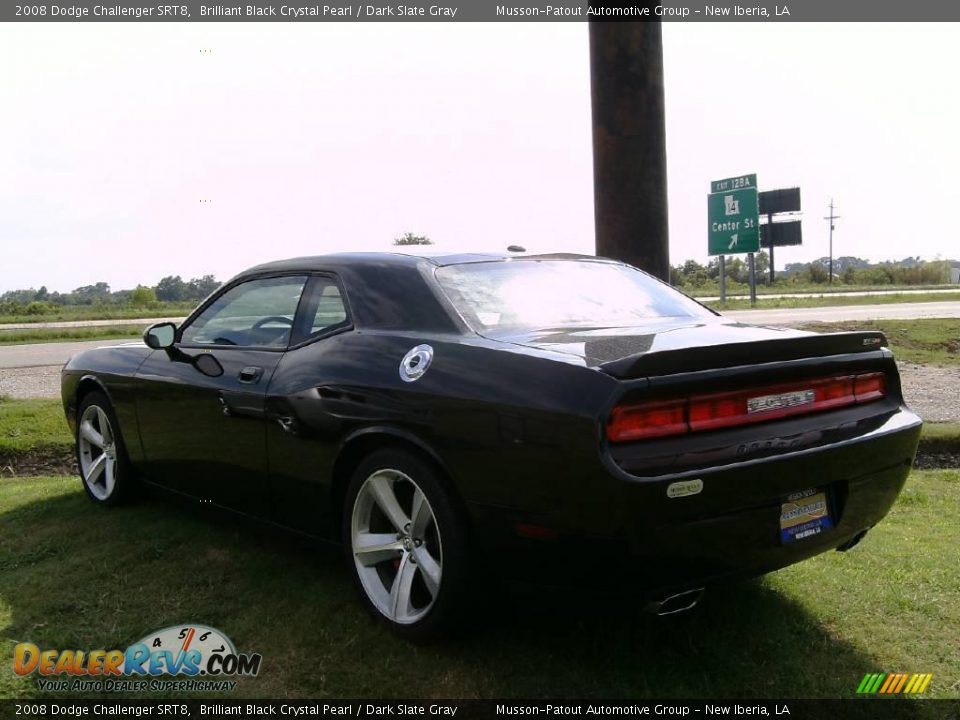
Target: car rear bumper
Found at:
x=632, y=536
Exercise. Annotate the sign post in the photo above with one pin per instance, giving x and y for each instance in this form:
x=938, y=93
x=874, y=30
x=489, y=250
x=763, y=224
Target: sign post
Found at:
x=733, y=222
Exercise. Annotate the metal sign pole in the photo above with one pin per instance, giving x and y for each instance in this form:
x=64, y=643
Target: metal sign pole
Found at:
x=723, y=279
x=753, y=281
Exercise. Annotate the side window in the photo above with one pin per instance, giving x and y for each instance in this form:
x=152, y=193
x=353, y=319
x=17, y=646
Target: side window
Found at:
x=257, y=313
x=323, y=310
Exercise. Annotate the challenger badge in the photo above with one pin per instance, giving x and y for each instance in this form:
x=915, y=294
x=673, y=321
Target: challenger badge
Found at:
x=783, y=400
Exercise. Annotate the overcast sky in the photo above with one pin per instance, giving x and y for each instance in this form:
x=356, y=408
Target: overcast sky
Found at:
x=313, y=138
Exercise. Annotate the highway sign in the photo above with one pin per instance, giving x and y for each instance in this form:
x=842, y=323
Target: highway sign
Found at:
x=780, y=234
x=741, y=182
x=733, y=222
x=773, y=202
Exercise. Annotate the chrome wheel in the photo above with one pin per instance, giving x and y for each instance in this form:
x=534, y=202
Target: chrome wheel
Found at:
x=98, y=452
x=396, y=546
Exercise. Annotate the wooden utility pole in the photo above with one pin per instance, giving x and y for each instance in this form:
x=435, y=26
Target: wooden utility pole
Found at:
x=831, y=217
x=629, y=144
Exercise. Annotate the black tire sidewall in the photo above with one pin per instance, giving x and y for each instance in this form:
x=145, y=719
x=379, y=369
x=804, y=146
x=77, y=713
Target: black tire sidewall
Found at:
x=446, y=614
x=122, y=490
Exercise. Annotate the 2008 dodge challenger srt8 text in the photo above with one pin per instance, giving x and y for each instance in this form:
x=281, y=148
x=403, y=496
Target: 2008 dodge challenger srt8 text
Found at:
x=560, y=418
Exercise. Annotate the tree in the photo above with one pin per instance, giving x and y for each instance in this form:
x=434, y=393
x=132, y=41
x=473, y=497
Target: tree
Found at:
x=89, y=294
x=199, y=288
x=409, y=238
x=142, y=295
x=761, y=262
x=171, y=289
x=818, y=273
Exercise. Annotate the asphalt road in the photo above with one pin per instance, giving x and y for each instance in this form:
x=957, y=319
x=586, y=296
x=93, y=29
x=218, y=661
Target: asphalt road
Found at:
x=42, y=354
x=840, y=313
x=48, y=354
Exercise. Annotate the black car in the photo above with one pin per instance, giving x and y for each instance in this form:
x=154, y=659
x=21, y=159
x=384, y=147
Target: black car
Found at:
x=554, y=418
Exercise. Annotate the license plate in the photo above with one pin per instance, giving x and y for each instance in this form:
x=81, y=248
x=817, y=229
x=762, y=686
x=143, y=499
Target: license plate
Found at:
x=804, y=515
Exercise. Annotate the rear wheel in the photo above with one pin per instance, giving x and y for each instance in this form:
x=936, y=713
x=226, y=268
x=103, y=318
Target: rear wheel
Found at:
x=101, y=455
x=406, y=543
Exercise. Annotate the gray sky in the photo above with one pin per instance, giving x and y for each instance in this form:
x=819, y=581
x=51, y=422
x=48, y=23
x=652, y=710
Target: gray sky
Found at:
x=312, y=138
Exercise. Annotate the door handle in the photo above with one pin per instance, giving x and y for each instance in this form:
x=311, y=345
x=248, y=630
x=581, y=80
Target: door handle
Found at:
x=250, y=374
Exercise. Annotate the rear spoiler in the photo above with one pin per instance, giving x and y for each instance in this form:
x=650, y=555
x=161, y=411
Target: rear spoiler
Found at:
x=692, y=359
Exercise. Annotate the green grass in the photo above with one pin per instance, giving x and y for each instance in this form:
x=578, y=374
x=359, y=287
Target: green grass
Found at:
x=27, y=425
x=76, y=576
x=734, y=288
x=770, y=304
x=927, y=342
x=105, y=312
x=41, y=335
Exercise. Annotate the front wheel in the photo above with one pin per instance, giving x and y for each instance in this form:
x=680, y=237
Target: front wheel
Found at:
x=406, y=543
x=101, y=455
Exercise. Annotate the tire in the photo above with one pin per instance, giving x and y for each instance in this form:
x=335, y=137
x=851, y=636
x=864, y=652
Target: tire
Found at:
x=108, y=481
x=409, y=565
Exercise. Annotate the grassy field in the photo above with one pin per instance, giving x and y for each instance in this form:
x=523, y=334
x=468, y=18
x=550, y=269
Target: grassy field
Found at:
x=76, y=576
x=807, y=302
x=929, y=342
x=27, y=425
x=733, y=288
x=105, y=312
x=41, y=335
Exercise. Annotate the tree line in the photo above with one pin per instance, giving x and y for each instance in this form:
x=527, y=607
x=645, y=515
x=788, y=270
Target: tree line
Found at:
x=847, y=270
x=170, y=289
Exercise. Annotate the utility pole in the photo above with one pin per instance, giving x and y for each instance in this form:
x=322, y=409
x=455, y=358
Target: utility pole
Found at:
x=773, y=275
x=831, y=217
x=629, y=144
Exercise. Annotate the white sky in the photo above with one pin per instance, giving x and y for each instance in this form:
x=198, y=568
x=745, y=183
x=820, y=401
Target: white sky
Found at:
x=313, y=138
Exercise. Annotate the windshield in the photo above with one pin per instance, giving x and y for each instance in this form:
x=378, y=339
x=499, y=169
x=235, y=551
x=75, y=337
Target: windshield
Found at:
x=531, y=294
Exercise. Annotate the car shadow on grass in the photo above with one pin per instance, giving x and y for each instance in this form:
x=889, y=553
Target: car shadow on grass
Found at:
x=81, y=577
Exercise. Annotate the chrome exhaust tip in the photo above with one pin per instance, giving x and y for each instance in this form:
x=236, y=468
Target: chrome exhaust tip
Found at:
x=676, y=603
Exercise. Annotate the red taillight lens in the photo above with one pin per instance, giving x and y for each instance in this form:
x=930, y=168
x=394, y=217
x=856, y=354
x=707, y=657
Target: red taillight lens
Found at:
x=870, y=387
x=741, y=407
x=653, y=419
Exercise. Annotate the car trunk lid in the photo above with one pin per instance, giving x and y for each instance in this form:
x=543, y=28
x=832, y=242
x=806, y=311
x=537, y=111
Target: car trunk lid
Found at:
x=672, y=346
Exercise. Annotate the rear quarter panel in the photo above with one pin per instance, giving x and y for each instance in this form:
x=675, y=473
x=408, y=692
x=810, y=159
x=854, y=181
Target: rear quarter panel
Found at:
x=512, y=428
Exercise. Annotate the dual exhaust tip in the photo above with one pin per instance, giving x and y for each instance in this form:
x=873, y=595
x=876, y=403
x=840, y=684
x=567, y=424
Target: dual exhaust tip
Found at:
x=676, y=603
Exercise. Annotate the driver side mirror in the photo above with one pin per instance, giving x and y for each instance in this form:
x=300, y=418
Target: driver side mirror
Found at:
x=160, y=336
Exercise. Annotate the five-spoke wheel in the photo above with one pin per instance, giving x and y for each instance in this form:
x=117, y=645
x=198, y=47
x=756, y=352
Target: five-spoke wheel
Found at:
x=100, y=453
x=405, y=542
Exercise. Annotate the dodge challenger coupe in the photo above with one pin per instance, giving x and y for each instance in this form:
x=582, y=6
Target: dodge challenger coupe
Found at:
x=560, y=419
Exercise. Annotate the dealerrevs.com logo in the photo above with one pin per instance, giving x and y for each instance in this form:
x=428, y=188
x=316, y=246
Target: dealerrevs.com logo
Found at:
x=197, y=656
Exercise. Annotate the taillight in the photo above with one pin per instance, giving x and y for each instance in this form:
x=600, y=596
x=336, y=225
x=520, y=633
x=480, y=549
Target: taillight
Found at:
x=870, y=387
x=698, y=413
x=653, y=419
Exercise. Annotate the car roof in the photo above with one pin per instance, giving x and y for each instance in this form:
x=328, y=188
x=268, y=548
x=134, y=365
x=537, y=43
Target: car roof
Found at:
x=402, y=258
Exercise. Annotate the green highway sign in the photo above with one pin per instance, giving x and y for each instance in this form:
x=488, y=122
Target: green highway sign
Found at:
x=733, y=218
x=741, y=182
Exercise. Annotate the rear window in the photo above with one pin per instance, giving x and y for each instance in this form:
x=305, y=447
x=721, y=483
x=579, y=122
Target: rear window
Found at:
x=524, y=294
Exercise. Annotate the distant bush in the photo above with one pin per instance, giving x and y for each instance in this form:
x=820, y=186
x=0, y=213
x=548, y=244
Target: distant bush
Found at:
x=141, y=296
x=39, y=308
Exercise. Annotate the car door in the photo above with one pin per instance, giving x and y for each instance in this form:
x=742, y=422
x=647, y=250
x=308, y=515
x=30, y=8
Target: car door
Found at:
x=305, y=417
x=203, y=431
